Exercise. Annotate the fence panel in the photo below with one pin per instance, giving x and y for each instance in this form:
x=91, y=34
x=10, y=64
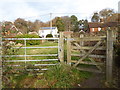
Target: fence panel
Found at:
x=50, y=60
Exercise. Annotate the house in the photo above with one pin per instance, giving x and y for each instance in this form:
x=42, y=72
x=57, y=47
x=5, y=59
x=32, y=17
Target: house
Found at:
x=95, y=26
x=44, y=31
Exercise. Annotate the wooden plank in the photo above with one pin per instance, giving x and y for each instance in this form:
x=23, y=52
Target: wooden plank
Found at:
x=88, y=48
x=93, y=56
x=87, y=62
x=95, y=63
x=89, y=39
x=69, y=50
x=87, y=53
x=61, y=47
x=78, y=47
x=109, y=53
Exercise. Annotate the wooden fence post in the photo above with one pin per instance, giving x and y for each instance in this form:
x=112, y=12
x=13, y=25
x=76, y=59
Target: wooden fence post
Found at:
x=69, y=49
x=61, y=47
x=109, y=56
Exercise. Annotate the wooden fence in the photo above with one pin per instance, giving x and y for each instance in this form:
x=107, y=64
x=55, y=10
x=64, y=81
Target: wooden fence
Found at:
x=76, y=48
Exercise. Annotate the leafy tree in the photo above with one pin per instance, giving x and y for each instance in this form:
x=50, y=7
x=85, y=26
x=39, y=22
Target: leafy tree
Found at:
x=86, y=26
x=67, y=22
x=83, y=25
x=59, y=24
x=113, y=18
x=105, y=13
x=74, y=23
x=21, y=24
x=36, y=25
x=95, y=17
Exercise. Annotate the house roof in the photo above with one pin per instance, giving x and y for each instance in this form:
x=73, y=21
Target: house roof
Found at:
x=46, y=28
x=94, y=24
x=102, y=25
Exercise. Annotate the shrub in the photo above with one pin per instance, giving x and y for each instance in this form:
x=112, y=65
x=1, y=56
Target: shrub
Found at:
x=64, y=76
x=28, y=42
x=49, y=35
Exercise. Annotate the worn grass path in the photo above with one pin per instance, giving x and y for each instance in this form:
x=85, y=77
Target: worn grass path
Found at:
x=96, y=81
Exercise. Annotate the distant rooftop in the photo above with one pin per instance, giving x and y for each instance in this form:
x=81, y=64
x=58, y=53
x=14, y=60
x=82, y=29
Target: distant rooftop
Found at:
x=44, y=28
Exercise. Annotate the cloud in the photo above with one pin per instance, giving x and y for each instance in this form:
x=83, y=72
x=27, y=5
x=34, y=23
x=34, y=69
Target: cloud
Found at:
x=12, y=9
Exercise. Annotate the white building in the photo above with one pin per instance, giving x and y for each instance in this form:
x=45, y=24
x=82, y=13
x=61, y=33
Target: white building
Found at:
x=44, y=31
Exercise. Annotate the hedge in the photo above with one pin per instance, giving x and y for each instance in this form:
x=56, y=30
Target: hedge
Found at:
x=28, y=42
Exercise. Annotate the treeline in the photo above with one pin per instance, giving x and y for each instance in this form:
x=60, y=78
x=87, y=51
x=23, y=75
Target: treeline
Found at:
x=64, y=23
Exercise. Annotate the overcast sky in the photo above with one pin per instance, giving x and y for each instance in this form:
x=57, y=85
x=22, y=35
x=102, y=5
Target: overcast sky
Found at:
x=41, y=9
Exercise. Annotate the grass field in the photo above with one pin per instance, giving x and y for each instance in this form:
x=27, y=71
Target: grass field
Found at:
x=60, y=76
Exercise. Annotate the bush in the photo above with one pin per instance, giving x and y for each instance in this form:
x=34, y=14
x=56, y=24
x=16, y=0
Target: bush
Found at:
x=28, y=42
x=49, y=35
x=64, y=76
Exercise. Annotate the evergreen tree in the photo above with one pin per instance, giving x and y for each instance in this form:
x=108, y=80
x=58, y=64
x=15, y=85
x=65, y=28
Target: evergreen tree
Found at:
x=74, y=23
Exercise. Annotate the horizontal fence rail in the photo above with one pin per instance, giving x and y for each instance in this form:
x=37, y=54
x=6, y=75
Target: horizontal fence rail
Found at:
x=30, y=38
x=31, y=60
x=38, y=47
x=93, y=56
x=39, y=63
x=29, y=55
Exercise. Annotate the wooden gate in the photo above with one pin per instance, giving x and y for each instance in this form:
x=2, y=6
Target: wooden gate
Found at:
x=83, y=50
x=90, y=52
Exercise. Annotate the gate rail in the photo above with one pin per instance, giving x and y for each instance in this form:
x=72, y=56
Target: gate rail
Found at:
x=25, y=54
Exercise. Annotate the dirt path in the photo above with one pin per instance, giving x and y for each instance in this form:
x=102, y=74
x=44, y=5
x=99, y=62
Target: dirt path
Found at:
x=96, y=81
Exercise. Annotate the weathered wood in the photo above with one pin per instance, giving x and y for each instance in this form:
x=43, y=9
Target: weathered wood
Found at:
x=92, y=56
x=109, y=56
x=68, y=49
x=88, y=48
x=87, y=62
x=87, y=53
x=79, y=47
x=89, y=39
x=96, y=64
x=61, y=47
x=81, y=42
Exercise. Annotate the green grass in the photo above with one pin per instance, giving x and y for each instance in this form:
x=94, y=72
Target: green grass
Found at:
x=61, y=76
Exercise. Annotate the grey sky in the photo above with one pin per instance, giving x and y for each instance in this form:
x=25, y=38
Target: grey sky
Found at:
x=40, y=9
